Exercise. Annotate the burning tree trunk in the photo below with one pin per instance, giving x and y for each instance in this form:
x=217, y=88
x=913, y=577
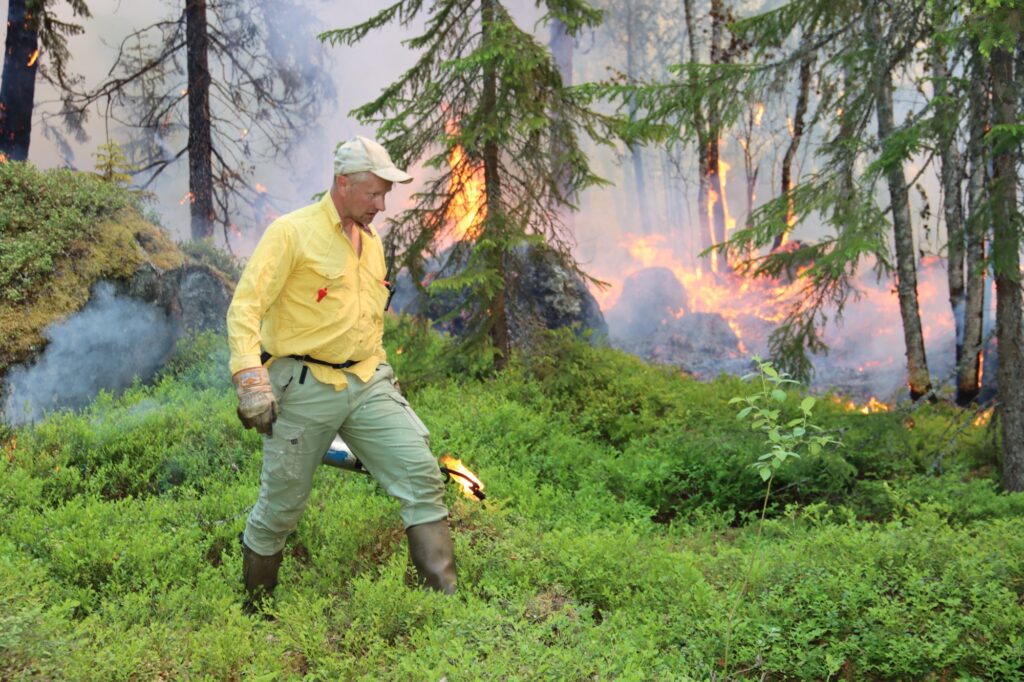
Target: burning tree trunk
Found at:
x=17, y=93
x=794, y=143
x=1006, y=245
x=706, y=241
x=716, y=187
x=200, y=144
x=906, y=272
x=969, y=349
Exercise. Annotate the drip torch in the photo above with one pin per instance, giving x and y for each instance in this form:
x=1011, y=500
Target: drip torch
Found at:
x=338, y=455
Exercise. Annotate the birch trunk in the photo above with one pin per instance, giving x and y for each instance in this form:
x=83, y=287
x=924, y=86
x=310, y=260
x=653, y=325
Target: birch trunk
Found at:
x=951, y=177
x=918, y=379
x=794, y=145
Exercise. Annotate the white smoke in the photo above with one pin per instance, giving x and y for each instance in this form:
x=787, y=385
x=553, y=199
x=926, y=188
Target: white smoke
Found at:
x=106, y=345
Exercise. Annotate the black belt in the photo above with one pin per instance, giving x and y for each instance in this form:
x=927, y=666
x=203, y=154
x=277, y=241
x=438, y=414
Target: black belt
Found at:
x=264, y=356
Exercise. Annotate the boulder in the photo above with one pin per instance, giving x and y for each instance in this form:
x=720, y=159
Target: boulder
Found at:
x=649, y=298
x=112, y=312
x=548, y=294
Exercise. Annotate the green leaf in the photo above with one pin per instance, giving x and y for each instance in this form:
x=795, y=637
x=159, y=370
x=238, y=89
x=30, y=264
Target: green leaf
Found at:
x=744, y=412
x=799, y=431
x=766, y=473
x=807, y=403
x=779, y=395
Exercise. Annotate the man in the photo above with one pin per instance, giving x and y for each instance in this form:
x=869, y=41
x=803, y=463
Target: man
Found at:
x=313, y=297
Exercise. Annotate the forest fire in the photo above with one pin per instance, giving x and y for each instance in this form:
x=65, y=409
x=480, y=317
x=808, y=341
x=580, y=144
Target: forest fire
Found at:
x=711, y=322
x=467, y=208
x=189, y=198
x=33, y=58
x=472, y=487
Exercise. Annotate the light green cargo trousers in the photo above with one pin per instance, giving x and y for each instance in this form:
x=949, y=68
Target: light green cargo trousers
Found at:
x=375, y=421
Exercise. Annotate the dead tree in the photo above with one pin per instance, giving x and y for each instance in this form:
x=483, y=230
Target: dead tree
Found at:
x=224, y=83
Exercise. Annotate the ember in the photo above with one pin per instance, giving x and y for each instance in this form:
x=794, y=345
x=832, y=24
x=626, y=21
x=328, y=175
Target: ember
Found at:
x=33, y=58
x=471, y=485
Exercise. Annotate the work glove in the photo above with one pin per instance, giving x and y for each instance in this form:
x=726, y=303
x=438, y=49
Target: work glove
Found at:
x=257, y=408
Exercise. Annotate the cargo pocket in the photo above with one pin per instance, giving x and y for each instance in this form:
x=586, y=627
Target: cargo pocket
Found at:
x=414, y=419
x=282, y=451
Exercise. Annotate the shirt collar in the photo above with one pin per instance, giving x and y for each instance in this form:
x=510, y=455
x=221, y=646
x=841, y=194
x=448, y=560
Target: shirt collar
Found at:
x=327, y=204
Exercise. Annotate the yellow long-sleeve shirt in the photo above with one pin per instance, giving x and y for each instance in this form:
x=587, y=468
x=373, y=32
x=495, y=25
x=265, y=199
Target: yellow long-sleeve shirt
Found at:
x=304, y=291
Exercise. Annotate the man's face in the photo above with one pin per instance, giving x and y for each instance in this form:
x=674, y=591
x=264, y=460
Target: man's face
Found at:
x=362, y=198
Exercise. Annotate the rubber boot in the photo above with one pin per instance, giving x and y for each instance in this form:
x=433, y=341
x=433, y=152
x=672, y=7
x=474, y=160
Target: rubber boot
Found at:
x=259, y=573
x=432, y=552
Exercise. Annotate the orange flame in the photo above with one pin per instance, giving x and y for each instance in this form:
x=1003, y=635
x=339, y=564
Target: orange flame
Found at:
x=189, y=198
x=467, y=210
x=33, y=58
x=262, y=189
x=872, y=406
x=471, y=485
x=759, y=114
x=984, y=417
x=3, y=158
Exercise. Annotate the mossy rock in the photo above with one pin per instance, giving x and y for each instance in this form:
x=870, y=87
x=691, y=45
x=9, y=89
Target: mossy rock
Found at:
x=62, y=232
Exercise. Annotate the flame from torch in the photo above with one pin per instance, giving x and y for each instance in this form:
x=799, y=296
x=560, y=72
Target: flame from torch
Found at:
x=472, y=487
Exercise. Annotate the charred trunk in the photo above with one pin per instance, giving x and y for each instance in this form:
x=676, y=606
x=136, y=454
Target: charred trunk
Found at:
x=17, y=92
x=200, y=143
x=1006, y=245
x=918, y=378
x=969, y=355
x=716, y=188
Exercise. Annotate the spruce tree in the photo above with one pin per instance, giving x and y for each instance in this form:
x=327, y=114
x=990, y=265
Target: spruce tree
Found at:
x=484, y=101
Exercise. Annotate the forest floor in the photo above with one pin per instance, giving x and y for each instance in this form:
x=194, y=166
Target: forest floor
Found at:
x=620, y=538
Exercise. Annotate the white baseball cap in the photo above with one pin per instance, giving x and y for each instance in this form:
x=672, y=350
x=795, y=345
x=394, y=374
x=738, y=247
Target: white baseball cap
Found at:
x=361, y=154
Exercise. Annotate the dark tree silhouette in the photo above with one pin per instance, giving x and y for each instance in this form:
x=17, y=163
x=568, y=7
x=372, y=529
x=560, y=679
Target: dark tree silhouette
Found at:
x=35, y=38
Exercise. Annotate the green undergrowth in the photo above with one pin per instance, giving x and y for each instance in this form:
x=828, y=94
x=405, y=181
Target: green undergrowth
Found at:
x=619, y=523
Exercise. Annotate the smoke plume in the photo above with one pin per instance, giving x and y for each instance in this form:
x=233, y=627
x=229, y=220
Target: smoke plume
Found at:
x=104, y=346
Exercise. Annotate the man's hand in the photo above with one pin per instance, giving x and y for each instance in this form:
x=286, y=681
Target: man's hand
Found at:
x=257, y=408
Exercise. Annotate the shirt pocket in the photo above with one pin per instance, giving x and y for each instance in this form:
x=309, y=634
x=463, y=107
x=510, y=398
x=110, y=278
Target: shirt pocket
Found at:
x=327, y=291
x=376, y=292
